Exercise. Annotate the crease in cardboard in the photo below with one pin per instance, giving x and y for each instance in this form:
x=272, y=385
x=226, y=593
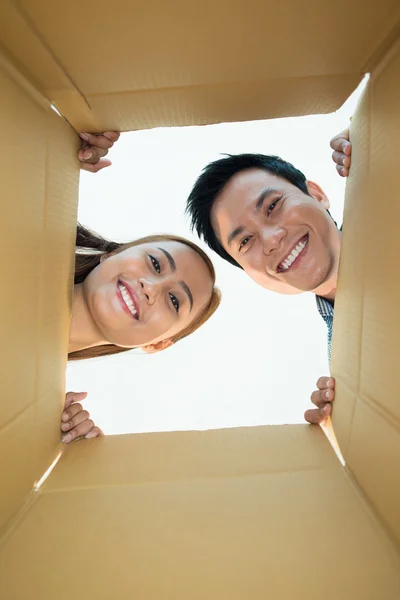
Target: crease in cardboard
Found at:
x=178, y=479
x=17, y=415
x=223, y=84
x=47, y=473
x=7, y=530
x=9, y=66
x=385, y=47
x=58, y=112
x=377, y=518
x=390, y=419
x=332, y=439
x=346, y=443
x=44, y=43
x=387, y=56
x=14, y=521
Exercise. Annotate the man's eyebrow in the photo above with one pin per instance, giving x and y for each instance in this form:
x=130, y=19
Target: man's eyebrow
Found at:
x=188, y=292
x=171, y=261
x=264, y=194
x=258, y=206
x=234, y=234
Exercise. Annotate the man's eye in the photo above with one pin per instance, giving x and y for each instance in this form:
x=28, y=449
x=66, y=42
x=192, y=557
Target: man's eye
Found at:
x=272, y=206
x=243, y=243
x=155, y=263
x=175, y=302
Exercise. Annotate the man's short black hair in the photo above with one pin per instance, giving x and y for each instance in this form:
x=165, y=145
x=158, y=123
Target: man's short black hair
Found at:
x=214, y=178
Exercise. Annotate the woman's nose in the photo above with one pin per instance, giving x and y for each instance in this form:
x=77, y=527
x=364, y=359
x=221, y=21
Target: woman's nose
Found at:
x=150, y=289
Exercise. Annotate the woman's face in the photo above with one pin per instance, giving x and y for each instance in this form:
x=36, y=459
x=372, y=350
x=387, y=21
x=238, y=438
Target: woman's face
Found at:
x=147, y=293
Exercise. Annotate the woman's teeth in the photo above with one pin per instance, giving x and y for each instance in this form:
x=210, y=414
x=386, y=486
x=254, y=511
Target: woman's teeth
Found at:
x=127, y=299
x=285, y=264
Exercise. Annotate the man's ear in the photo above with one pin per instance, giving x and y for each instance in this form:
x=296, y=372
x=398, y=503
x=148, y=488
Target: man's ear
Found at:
x=153, y=348
x=318, y=193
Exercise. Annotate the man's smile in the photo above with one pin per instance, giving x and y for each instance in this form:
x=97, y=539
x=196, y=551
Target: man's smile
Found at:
x=293, y=257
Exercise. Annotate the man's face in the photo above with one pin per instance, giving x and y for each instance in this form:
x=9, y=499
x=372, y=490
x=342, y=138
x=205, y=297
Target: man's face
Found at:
x=284, y=239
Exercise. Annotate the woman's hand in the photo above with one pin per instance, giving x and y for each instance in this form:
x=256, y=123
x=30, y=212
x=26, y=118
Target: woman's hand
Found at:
x=341, y=154
x=322, y=398
x=94, y=148
x=76, y=422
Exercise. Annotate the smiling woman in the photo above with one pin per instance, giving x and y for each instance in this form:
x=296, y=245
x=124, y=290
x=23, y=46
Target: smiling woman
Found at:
x=149, y=293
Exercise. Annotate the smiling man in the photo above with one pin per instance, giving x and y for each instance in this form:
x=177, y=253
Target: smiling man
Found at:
x=262, y=215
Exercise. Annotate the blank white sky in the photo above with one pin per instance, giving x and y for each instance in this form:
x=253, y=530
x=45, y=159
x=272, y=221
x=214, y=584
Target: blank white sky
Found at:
x=257, y=360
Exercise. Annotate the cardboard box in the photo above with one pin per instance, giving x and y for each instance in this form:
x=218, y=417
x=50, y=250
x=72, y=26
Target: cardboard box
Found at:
x=265, y=512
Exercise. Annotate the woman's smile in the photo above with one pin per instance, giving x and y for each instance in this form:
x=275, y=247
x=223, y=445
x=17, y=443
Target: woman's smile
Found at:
x=128, y=299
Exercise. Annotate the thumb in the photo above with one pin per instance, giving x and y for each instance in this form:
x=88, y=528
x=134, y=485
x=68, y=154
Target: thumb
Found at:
x=101, y=164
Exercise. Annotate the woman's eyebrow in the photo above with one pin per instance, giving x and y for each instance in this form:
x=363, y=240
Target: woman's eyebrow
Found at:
x=189, y=294
x=183, y=285
x=170, y=259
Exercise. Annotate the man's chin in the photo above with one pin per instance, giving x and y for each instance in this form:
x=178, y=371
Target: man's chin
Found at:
x=289, y=285
x=289, y=288
x=318, y=286
x=281, y=287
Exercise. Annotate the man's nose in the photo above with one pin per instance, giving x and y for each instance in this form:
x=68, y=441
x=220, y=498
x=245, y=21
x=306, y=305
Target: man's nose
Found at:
x=271, y=238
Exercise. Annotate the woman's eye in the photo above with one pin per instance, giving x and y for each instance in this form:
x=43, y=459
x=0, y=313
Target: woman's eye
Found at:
x=243, y=243
x=155, y=263
x=272, y=206
x=175, y=302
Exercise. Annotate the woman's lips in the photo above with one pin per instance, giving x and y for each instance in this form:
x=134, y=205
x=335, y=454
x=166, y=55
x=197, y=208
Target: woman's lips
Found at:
x=128, y=299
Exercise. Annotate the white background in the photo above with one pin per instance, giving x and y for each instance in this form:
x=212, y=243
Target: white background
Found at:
x=257, y=360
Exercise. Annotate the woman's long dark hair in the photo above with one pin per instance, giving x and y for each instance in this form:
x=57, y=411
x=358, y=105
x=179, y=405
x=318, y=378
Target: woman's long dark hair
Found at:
x=90, y=246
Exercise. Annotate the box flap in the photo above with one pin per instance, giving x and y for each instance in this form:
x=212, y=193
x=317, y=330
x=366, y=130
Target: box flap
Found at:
x=128, y=65
x=231, y=514
x=366, y=339
x=40, y=189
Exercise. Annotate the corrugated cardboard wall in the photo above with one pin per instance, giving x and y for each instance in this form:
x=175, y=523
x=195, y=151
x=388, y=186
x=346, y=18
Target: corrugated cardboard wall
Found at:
x=132, y=65
x=38, y=163
x=366, y=341
x=230, y=514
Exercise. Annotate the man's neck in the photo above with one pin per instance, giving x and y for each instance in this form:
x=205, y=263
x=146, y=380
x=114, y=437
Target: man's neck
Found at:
x=327, y=289
x=330, y=295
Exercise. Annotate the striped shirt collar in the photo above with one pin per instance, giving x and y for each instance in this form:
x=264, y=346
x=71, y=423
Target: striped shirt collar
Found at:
x=325, y=307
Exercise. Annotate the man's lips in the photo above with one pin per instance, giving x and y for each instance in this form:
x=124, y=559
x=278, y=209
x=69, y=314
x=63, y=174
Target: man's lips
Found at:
x=294, y=256
x=128, y=299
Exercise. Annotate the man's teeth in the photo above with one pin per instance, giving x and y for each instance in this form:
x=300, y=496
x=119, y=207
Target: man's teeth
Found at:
x=127, y=299
x=285, y=264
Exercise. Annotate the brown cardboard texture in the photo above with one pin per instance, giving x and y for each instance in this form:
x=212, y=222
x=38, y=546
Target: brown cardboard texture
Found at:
x=127, y=65
x=264, y=512
x=366, y=346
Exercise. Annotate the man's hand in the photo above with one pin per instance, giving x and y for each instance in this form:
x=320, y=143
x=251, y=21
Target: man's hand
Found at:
x=94, y=148
x=341, y=154
x=322, y=398
x=76, y=422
